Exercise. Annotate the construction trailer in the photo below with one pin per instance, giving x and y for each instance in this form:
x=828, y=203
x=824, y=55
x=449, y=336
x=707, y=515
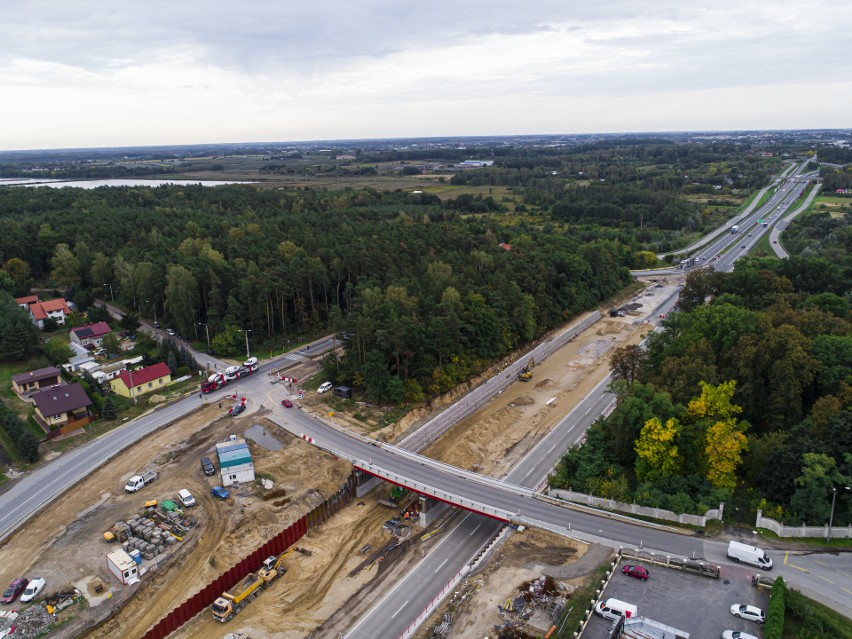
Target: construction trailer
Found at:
x=123, y=567
x=235, y=463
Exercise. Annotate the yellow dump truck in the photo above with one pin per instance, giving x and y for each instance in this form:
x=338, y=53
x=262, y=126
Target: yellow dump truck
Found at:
x=235, y=599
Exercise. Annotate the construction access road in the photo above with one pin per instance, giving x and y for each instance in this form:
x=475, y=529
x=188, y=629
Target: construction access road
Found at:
x=28, y=495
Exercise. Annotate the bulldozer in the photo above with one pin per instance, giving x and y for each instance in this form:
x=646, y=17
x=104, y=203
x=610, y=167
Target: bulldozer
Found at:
x=525, y=374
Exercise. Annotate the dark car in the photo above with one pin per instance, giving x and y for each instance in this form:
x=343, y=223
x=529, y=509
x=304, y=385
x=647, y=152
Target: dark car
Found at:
x=15, y=588
x=635, y=571
x=286, y=403
x=156, y=325
x=220, y=493
x=207, y=466
x=236, y=409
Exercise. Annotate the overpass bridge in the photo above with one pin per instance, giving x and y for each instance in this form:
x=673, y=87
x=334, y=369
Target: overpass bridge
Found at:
x=503, y=501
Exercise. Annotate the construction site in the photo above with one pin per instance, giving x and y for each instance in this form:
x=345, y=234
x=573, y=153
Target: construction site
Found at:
x=343, y=566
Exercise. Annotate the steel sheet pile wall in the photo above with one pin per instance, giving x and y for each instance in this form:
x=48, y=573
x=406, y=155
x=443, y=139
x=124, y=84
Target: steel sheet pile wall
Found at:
x=275, y=546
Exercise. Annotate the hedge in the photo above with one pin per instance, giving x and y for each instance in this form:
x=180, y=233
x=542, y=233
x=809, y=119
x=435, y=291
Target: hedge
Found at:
x=774, y=626
x=22, y=437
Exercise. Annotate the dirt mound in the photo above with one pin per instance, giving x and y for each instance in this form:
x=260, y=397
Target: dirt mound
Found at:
x=545, y=383
x=523, y=400
x=610, y=328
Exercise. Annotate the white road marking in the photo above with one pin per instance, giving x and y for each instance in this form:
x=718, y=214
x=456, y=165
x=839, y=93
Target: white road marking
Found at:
x=442, y=564
x=393, y=616
x=529, y=472
x=475, y=529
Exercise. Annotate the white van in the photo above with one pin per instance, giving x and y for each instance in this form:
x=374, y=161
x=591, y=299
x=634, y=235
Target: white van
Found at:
x=186, y=497
x=613, y=609
x=749, y=555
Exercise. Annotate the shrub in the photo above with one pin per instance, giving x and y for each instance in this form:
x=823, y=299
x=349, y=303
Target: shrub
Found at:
x=774, y=627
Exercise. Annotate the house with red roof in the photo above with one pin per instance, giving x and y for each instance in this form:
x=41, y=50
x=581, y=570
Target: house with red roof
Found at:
x=131, y=384
x=90, y=335
x=57, y=309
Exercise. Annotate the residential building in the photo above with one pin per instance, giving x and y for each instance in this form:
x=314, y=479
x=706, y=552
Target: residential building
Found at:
x=66, y=406
x=90, y=335
x=235, y=463
x=25, y=383
x=81, y=356
x=144, y=380
x=39, y=311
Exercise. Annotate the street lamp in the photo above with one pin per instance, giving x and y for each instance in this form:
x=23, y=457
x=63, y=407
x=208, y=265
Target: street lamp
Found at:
x=111, y=296
x=246, y=331
x=206, y=328
x=833, y=499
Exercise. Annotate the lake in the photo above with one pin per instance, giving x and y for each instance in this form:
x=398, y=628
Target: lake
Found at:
x=93, y=184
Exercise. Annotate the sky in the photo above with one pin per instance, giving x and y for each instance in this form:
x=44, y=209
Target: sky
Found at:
x=89, y=73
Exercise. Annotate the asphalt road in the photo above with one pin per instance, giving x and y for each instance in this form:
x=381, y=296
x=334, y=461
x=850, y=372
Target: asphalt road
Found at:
x=36, y=489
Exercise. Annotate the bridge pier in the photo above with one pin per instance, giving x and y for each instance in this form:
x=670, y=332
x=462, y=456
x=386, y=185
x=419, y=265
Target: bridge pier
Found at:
x=431, y=509
x=364, y=482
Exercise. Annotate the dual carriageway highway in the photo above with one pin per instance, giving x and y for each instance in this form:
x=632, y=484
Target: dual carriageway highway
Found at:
x=512, y=500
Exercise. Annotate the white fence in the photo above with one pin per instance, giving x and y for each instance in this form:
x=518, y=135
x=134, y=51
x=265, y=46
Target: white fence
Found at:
x=816, y=532
x=636, y=509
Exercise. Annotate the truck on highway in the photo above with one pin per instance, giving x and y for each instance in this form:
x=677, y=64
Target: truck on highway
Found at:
x=220, y=380
x=749, y=555
x=137, y=481
x=233, y=600
x=735, y=228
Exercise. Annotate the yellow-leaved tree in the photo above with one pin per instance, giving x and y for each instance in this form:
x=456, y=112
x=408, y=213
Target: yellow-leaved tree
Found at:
x=724, y=440
x=657, y=454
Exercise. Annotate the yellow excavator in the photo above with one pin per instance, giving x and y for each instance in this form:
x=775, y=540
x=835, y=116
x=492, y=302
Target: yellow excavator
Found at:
x=525, y=374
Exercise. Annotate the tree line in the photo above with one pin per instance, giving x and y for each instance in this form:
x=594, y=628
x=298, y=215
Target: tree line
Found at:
x=745, y=397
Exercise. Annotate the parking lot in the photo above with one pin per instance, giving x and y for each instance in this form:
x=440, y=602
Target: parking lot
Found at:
x=695, y=604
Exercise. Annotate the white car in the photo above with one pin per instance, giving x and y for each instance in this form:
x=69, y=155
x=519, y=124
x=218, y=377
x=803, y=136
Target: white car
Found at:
x=752, y=613
x=186, y=497
x=33, y=588
x=251, y=361
x=737, y=634
x=324, y=387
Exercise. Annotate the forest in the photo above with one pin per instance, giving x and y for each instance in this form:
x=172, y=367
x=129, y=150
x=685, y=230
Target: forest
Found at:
x=744, y=398
x=424, y=290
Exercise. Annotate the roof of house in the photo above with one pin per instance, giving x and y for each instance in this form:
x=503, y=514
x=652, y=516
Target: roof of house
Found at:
x=61, y=400
x=36, y=375
x=57, y=304
x=92, y=330
x=144, y=375
x=29, y=299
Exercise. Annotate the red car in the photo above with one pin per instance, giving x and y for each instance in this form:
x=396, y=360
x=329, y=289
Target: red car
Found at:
x=15, y=588
x=286, y=403
x=635, y=571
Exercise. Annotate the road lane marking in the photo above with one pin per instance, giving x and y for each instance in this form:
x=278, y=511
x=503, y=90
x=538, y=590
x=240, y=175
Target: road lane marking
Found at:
x=826, y=579
x=393, y=616
x=786, y=555
x=821, y=564
x=442, y=564
x=551, y=448
x=588, y=411
x=849, y=591
x=475, y=529
x=530, y=472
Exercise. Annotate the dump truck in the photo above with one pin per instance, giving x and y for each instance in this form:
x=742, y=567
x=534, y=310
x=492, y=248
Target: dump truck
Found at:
x=525, y=374
x=233, y=600
x=137, y=481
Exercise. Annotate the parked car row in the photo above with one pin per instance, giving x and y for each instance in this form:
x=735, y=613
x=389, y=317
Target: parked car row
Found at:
x=612, y=609
x=23, y=587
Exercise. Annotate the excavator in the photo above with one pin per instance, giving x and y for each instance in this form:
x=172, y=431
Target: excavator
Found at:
x=272, y=568
x=525, y=374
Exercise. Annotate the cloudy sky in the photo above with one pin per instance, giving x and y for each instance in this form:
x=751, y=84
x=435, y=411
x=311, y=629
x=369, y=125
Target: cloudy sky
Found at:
x=79, y=73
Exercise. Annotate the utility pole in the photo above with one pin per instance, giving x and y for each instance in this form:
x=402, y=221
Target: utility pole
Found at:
x=833, y=499
x=111, y=296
